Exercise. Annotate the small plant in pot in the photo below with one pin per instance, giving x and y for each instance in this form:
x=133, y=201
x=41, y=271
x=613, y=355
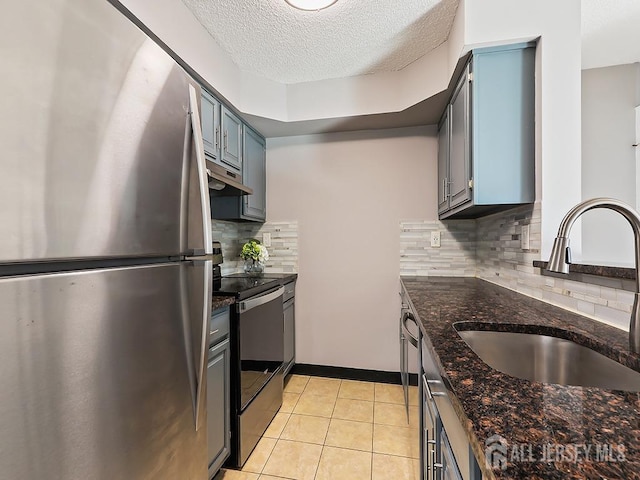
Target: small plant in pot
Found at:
x=254, y=255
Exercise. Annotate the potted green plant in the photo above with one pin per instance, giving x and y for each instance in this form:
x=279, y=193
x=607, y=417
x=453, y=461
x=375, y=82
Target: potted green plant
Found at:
x=254, y=255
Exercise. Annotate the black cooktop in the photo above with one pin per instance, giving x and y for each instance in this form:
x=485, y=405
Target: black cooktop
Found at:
x=243, y=286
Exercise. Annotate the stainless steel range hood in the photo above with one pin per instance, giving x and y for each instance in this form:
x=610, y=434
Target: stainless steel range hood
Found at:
x=225, y=183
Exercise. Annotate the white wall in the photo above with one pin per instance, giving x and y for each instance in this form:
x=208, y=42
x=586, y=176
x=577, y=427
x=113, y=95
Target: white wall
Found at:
x=558, y=159
x=348, y=193
x=609, y=98
x=175, y=25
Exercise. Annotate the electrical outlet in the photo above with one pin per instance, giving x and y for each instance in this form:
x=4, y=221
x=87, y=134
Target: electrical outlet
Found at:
x=435, y=239
x=266, y=239
x=524, y=237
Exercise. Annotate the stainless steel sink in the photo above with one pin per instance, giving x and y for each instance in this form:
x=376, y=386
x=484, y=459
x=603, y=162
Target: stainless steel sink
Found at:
x=542, y=358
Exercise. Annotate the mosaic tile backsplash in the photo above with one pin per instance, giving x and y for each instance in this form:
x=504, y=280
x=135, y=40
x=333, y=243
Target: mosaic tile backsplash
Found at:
x=456, y=256
x=489, y=248
x=283, y=252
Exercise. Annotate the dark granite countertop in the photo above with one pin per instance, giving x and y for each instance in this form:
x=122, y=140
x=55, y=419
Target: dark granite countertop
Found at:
x=626, y=273
x=223, y=301
x=283, y=277
x=489, y=402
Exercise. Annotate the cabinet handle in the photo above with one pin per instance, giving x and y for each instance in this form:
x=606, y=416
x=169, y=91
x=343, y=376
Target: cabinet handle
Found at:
x=213, y=332
x=446, y=185
x=217, y=135
x=226, y=142
x=435, y=466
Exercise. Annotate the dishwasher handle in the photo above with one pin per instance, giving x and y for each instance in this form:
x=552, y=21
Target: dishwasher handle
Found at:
x=260, y=300
x=409, y=336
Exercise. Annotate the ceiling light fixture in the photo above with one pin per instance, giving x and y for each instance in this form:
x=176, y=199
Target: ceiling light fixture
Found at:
x=311, y=4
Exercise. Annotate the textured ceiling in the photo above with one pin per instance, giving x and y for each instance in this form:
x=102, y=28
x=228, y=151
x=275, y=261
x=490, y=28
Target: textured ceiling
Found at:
x=610, y=32
x=271, y=39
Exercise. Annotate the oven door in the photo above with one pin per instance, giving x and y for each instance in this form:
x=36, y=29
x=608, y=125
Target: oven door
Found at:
x=261, y=335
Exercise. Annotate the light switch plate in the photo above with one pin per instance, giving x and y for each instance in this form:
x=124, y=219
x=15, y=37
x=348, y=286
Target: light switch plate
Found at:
x=435, y=239
x=524, y=238
x=266, y=239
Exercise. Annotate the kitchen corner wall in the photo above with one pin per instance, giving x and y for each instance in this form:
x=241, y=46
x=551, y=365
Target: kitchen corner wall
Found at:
x=283, y=252
x=348, y=191
x=489, y=248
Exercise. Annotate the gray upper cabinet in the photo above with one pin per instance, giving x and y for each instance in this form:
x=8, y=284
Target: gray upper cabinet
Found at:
x=253, y=207
x=211, y=133
x=443, y=161
x=254, y=173
x=231, y=140
x=486, y=157
x=459, y=177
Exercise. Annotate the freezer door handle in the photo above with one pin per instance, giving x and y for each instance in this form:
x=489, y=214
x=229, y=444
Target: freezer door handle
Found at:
x=203, y=181
x=201, y=367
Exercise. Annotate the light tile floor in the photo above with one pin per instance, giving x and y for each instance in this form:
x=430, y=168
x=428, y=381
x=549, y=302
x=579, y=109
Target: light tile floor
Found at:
x=332, y=429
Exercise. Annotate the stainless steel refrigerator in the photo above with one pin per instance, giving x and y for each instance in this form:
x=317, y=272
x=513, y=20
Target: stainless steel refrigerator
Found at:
x=105, y=283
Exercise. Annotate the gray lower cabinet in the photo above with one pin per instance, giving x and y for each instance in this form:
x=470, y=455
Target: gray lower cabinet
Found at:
x=254, y=175
x=289, y=327
x=486, y=140
x=445, y=452
x=218, y=397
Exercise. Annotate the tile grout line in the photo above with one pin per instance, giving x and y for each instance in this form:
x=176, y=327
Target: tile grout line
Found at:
x=324, y=444
x=280, y=434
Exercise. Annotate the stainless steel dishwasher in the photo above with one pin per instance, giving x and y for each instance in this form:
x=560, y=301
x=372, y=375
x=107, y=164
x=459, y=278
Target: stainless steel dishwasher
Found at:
x=258, y=349
x=409, y=333
x=257, y=355
x=289, y=326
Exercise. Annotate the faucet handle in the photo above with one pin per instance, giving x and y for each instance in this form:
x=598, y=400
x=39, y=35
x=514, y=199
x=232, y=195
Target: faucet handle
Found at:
x=568, y=255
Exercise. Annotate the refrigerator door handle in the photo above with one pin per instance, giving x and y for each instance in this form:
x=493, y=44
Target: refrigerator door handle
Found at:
x=203, y=182
x=201, y=367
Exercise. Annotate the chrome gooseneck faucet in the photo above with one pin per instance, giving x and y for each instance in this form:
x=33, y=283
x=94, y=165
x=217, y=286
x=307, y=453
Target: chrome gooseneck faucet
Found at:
x=561, y=255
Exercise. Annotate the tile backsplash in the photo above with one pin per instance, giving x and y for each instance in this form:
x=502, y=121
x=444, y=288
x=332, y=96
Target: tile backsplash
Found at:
x=283, y=252
x=489, y=248
x=456, y=256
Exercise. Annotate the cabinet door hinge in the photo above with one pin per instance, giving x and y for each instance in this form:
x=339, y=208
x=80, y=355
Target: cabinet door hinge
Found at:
x=470, y=76
x=471, y=183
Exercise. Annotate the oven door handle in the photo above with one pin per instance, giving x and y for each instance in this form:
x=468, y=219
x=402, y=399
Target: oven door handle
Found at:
x=260, y=300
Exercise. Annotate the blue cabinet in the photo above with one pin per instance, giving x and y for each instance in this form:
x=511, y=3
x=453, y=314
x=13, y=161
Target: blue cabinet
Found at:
x=231, y=127
x=221, y=133
x=218, y=392
x=486, y=141
x=211, y=133
x=254, y=173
